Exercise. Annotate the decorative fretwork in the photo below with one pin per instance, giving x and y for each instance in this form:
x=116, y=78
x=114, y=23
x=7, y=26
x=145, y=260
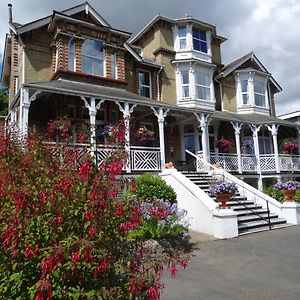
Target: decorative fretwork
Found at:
x=267, y=163
x=228, y=162
x=147, y=159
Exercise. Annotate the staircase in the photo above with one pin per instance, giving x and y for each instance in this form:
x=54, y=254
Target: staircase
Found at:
x=251, y=216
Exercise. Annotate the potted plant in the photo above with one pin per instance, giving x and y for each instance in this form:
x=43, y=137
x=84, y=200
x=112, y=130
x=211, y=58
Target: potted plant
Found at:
x=288, y=189
x=224, y=145
x=144, y=135
x=248, y=145
x=223, y=192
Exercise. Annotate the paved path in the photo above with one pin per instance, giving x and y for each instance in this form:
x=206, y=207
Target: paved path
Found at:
x=263, y=266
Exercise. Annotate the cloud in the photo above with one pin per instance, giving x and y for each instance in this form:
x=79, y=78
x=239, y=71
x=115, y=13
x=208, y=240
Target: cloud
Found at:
x=267, y=27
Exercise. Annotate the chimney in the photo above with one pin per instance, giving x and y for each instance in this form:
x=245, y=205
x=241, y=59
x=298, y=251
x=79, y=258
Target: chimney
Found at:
x=10, y=19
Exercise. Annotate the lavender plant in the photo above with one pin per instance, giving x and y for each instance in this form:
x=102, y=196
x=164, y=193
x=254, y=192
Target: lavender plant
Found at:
x=289, y=185
x=225, y=187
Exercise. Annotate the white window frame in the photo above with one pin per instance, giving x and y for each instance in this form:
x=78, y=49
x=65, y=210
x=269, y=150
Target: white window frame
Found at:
x=94, y=57
x=203, y=86
x=200, y=40
x=182, y=38
x=185, y=85
x=259, y=94
x=143, y=85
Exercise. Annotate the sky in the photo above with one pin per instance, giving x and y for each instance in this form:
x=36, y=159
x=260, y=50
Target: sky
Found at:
x=269, y=28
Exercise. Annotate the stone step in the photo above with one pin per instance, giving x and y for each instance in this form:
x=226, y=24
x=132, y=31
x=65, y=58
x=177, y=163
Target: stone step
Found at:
x=247, y=207
x=261, y=229
x=250, y=218
x=258, y=224
x=241, y=213
x=243, y=201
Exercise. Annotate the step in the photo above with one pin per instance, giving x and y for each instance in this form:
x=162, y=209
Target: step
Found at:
x=247, y=207
x=250, y=218
x=240, y=202
x=261, y=229
x=241, y=213
x=258, y=224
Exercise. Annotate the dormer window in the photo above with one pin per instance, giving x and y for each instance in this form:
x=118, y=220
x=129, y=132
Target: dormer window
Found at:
x=199, y=40
x=93, y=57
x=251, y=91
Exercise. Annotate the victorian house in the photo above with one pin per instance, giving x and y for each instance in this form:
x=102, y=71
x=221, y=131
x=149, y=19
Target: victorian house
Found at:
x=168, y=81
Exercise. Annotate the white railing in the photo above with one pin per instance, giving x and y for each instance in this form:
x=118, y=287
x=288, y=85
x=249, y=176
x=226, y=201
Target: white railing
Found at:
x=229, y=162
x=145, y=158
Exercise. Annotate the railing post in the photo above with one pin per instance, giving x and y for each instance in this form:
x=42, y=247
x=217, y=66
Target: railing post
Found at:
x=274, y=129
x=255, y=129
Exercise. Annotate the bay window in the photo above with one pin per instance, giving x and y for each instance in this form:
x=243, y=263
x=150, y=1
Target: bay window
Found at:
x=185, y=83
x=93, y=57
x=145, y=83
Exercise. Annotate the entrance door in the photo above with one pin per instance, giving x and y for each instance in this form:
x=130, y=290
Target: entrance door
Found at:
x=189, y=144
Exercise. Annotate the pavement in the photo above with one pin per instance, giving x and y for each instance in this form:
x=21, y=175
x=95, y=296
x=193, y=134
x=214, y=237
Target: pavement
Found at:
x=264, y=265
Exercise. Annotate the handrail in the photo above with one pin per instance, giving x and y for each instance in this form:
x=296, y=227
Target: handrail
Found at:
x=236, y=181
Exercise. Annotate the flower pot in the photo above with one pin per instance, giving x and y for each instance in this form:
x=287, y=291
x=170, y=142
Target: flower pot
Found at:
x=289, y=195
x=223, y=198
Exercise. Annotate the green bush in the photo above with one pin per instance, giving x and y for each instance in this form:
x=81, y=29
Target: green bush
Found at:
x=274, y=193
x=150, y=186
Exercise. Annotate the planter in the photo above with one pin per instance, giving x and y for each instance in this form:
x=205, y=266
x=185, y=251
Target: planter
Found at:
x=223, y=198
x=289, y=195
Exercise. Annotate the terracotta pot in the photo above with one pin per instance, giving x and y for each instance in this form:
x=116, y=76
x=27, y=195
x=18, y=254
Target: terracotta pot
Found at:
x=289, y=195
x=223, y=198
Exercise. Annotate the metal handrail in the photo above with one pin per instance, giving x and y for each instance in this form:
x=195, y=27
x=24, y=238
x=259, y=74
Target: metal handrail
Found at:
x=244, y=188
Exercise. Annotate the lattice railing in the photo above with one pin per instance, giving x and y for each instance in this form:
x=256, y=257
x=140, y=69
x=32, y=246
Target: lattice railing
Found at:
x=200, y=162
x=145, y=159
x=228, y=162
x=267, y=163
x=289, y=162
x=249, y=163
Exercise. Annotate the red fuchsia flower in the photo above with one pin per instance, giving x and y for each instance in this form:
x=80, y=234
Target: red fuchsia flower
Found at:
x=84, y=171
x=75, y=256
x=290, y=146
x=20, y=200
x=132, y=287
x=172, y=269
x=153, y=293
x=119, y=210
x=44, y=290
x=92, y=232
x=224, y=144
x=31, y=252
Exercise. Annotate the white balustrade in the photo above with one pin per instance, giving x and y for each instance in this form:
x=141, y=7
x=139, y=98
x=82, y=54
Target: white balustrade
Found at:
x=145, y=158
x=249, y=163
x=267, y=163
x=289, y=163
x=227, y=161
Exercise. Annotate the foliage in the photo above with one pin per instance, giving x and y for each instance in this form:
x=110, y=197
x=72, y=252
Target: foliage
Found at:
x=3, y=102
x=290, y=185
x=248, y=143
x=161, y=219
x=144, y=135
x=223, y=144
x=289, y=146
x=274, y=193
x=64, y=233
x=225, y=187
x=149, y=186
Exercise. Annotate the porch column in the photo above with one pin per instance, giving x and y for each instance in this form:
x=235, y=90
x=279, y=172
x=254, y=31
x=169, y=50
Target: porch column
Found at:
x=274, y=129
x=255, y=130
x=298, y=128
x=92, y=107
x=237, y=130
x=127, y=109
x=203, y=119
x=160, y=113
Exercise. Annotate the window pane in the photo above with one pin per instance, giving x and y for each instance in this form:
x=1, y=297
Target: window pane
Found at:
x=97, y=67
x=145, y=91
x=245, y=98
x=203, y=47
x=182, y=31
x=185, y=77
x=185, y=91
x=202, y=35
x=202, y=79
x=87, y=47
x=244, y=85
x=259, y=87
x=196, y=34
x=182, y=43
x=113, y=65
x=71, y=56
x=260, y=100
x=87, y=64
x=196, y=45
x=147, y=78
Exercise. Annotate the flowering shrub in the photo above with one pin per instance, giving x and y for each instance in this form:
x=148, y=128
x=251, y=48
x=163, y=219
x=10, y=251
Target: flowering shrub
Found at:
x=60, y=130
x=289, y=146
x=162, y=219
x=144, y=135
x=63, y=232
x=225, y=187
x=289, y=185
x=223, y=144
x=149, y=186
x=248, y=144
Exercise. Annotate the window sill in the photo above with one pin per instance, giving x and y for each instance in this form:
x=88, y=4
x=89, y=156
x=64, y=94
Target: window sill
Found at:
x=253, y=109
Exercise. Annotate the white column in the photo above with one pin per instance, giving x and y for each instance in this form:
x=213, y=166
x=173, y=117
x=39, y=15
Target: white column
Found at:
x=203, y=120
x=298, y=128
x=274, y=129
x=251, y=88
x=161, y=114
x=127, y=108
x=255, y=129
x=237, y=130
x=24, y=112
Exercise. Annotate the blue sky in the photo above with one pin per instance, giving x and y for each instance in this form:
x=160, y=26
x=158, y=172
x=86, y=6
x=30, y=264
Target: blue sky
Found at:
x=267, y=27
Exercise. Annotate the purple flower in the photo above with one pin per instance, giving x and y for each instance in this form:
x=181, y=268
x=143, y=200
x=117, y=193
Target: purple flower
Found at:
x=289, y=185
x=248, y=144
x=225, y=187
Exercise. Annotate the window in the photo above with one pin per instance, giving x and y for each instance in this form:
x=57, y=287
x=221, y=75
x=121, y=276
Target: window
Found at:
x=185, y=84
x=182, y=37
x=144, y=84
x=244, y=89
x=93, y=57
x=71, y=55
x=199, y=40
x=202, y=81
x=259, y=94
x=113, y=64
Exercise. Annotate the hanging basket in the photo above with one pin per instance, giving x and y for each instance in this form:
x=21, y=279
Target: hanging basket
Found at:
x=223, y=198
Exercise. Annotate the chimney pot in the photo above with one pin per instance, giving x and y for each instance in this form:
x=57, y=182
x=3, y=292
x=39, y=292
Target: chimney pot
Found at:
x=10, y=19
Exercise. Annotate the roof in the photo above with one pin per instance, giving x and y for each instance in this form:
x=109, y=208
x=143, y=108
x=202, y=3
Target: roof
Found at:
x=176, y=21
x=290, y=115
x=141, y=59
x=233, y=66
x=73, y=88
x=68, y=12
x=257, y=119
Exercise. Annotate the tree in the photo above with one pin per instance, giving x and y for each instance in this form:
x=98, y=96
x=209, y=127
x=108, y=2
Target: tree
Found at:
x=3, y=102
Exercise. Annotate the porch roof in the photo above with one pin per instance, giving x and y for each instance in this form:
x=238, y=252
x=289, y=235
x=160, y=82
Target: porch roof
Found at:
x=257, y=119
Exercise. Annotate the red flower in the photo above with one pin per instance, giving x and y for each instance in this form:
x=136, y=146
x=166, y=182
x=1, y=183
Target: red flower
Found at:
x=84, y=171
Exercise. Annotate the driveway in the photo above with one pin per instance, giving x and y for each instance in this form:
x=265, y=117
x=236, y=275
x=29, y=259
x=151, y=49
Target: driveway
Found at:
x=264, y=265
